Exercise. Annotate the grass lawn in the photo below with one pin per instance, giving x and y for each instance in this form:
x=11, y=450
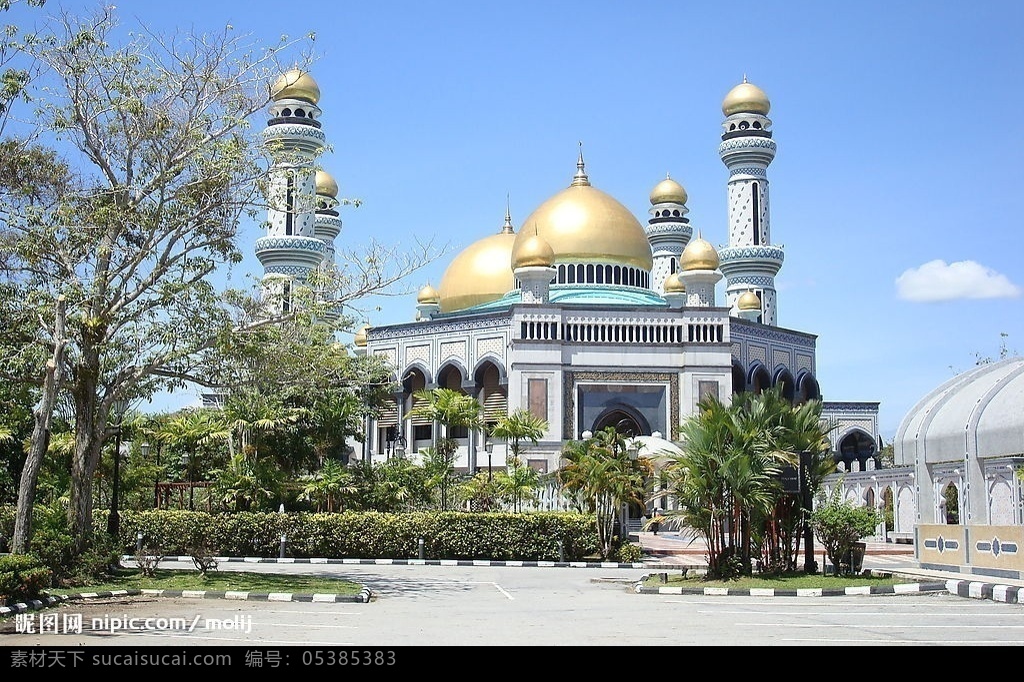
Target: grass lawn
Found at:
x=218, y=581
x=795, y=581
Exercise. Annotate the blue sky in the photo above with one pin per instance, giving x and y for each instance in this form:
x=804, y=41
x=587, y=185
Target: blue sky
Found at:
x=893, y=190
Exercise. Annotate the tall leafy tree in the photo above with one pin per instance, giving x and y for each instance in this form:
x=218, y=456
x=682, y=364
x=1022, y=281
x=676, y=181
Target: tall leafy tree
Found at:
x=450, y=409
x=122, y=199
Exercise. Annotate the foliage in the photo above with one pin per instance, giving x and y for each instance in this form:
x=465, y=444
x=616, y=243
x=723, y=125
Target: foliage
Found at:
x=839, y=524
x=602, y=477
x=451, y=409
x=22, y=578
x=330, y=487
x=248, y=483
x=727, y=483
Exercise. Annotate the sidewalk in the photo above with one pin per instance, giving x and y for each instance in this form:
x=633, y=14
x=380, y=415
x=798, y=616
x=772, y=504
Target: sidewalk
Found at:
x=671, y=549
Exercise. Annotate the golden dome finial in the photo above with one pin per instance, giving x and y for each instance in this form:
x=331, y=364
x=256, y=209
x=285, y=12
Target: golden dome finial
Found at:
x=428, y=295
x=748, y=300
x=326, y=185
x=746, y=98
x=699, y=255
x=360, y=336
x=668, y=191
x=534, y=252
x=507, y=227
x=674, y=284
x=580, y=179
x=295, y=84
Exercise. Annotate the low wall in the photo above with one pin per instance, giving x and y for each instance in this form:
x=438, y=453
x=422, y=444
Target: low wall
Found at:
x=982, y=550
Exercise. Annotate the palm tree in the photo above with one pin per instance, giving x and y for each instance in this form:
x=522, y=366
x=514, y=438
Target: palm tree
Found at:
x=329, y=486
x=602, y=477
x=451, y=409
x=521, y=425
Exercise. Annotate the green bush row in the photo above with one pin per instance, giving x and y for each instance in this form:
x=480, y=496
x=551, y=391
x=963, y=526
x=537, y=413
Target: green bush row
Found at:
x=22, y=577
x=540, y=536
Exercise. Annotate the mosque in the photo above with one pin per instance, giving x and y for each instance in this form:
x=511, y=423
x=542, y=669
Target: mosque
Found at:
x=584, y=316
x=589, y=318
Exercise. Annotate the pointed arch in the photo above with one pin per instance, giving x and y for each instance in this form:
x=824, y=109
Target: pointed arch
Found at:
x=758, y=377
x=739, y=378
x=625, y=419
x=807, y=387
x=783, y=380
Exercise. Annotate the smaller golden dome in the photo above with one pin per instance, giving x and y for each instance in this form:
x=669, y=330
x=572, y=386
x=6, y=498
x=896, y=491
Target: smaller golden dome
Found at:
x=325, y=184
x=746, y=98
x=668, y=190
x=295, y=84
x=674, y=284
x=748, y=300
x=699, y=255
x=428, y=295
x=360, y=337
x=534, y=252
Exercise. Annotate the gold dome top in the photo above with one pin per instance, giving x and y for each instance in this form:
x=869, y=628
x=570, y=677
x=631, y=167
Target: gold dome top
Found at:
x=584, y=225
x=360, y=337
x=748, y=300
x=747, y=98
x=699, y=255
x=534, y=252
x=428, y=294
x=668, y=190
x=295, y=84
x=325, y=184
x=480, y=273
x=674, y=284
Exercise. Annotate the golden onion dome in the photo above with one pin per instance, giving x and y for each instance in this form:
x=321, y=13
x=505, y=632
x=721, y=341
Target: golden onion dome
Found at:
x=428, y=295
x=325, y=184
x=699, y=255
x=748, y=300
x=584, y=225
x=668, y=190
x=534, y=252
x=295, y=84
x=674, y=284
x=746, y=98
x=480, y=273
x=360, y=336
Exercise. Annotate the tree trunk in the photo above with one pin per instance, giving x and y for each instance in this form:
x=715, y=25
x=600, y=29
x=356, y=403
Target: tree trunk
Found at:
x=40, y=442
x=91, y=415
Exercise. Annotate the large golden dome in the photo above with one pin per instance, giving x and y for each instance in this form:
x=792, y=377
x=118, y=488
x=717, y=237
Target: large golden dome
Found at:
x=326, y=185
x=295, y=84
x=481, y=273
x=746, y=98
x=584, y=225
x=699, y=255
x=668, y=190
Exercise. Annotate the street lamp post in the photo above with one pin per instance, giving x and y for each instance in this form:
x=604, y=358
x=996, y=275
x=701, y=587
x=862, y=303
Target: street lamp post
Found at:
x=396, y=443
x=114, y=520
x=489, y=448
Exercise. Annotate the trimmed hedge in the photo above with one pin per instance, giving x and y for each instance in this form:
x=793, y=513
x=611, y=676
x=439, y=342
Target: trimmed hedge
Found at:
x=540, y=536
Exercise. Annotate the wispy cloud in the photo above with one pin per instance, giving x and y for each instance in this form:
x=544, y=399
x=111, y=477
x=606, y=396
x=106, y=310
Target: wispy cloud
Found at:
x=940, y=281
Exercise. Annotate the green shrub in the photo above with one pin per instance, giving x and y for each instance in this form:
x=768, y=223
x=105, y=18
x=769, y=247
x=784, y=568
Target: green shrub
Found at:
x=22, y=578
x=838, y=525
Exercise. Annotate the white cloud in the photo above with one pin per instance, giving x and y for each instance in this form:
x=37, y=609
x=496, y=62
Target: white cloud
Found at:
x=940, y=281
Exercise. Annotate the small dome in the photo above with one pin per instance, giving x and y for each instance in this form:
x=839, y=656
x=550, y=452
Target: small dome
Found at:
x=534, y=252
x=699, y=255
x=674, y=284
x=746, y=98
x=668, y=190
x=360, y=337
x=748, y=300
x=295, y=84
x=428, y=294
x=325, y=184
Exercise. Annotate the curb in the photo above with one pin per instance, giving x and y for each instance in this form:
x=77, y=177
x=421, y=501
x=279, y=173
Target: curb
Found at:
x=905, y=588
x=422, y=562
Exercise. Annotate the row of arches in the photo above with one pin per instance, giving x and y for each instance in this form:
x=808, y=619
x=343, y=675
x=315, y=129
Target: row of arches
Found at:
x=757, y=378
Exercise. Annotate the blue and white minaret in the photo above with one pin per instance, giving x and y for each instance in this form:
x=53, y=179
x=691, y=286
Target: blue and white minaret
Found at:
x=291, y=247
x=750, y=262
x=668, y=230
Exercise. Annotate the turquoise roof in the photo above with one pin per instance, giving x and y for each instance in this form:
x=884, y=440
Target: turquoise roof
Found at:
x=589, y=294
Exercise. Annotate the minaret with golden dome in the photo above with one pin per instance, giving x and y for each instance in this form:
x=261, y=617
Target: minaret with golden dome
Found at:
x=668, y=229
x=698, y=271
x=428, y=302
x=533, y=264
x=292, y=247
x=751, y=261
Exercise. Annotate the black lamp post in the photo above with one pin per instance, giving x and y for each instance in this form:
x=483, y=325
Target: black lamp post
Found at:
x=396, y=443
x=114, y=520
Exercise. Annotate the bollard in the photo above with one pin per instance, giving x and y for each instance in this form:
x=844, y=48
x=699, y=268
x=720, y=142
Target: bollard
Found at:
x=284, y=539
x=138, y=543
x=420, y=548
x=561, y=552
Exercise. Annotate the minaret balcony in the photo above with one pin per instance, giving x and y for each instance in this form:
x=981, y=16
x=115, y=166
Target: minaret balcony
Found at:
x=291, y=250
x=766, y=259
x=294, y=137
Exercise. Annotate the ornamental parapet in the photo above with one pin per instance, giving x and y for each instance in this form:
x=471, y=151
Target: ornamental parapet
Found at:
x=767, y=257
x=293, y=136
x=301, y=251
